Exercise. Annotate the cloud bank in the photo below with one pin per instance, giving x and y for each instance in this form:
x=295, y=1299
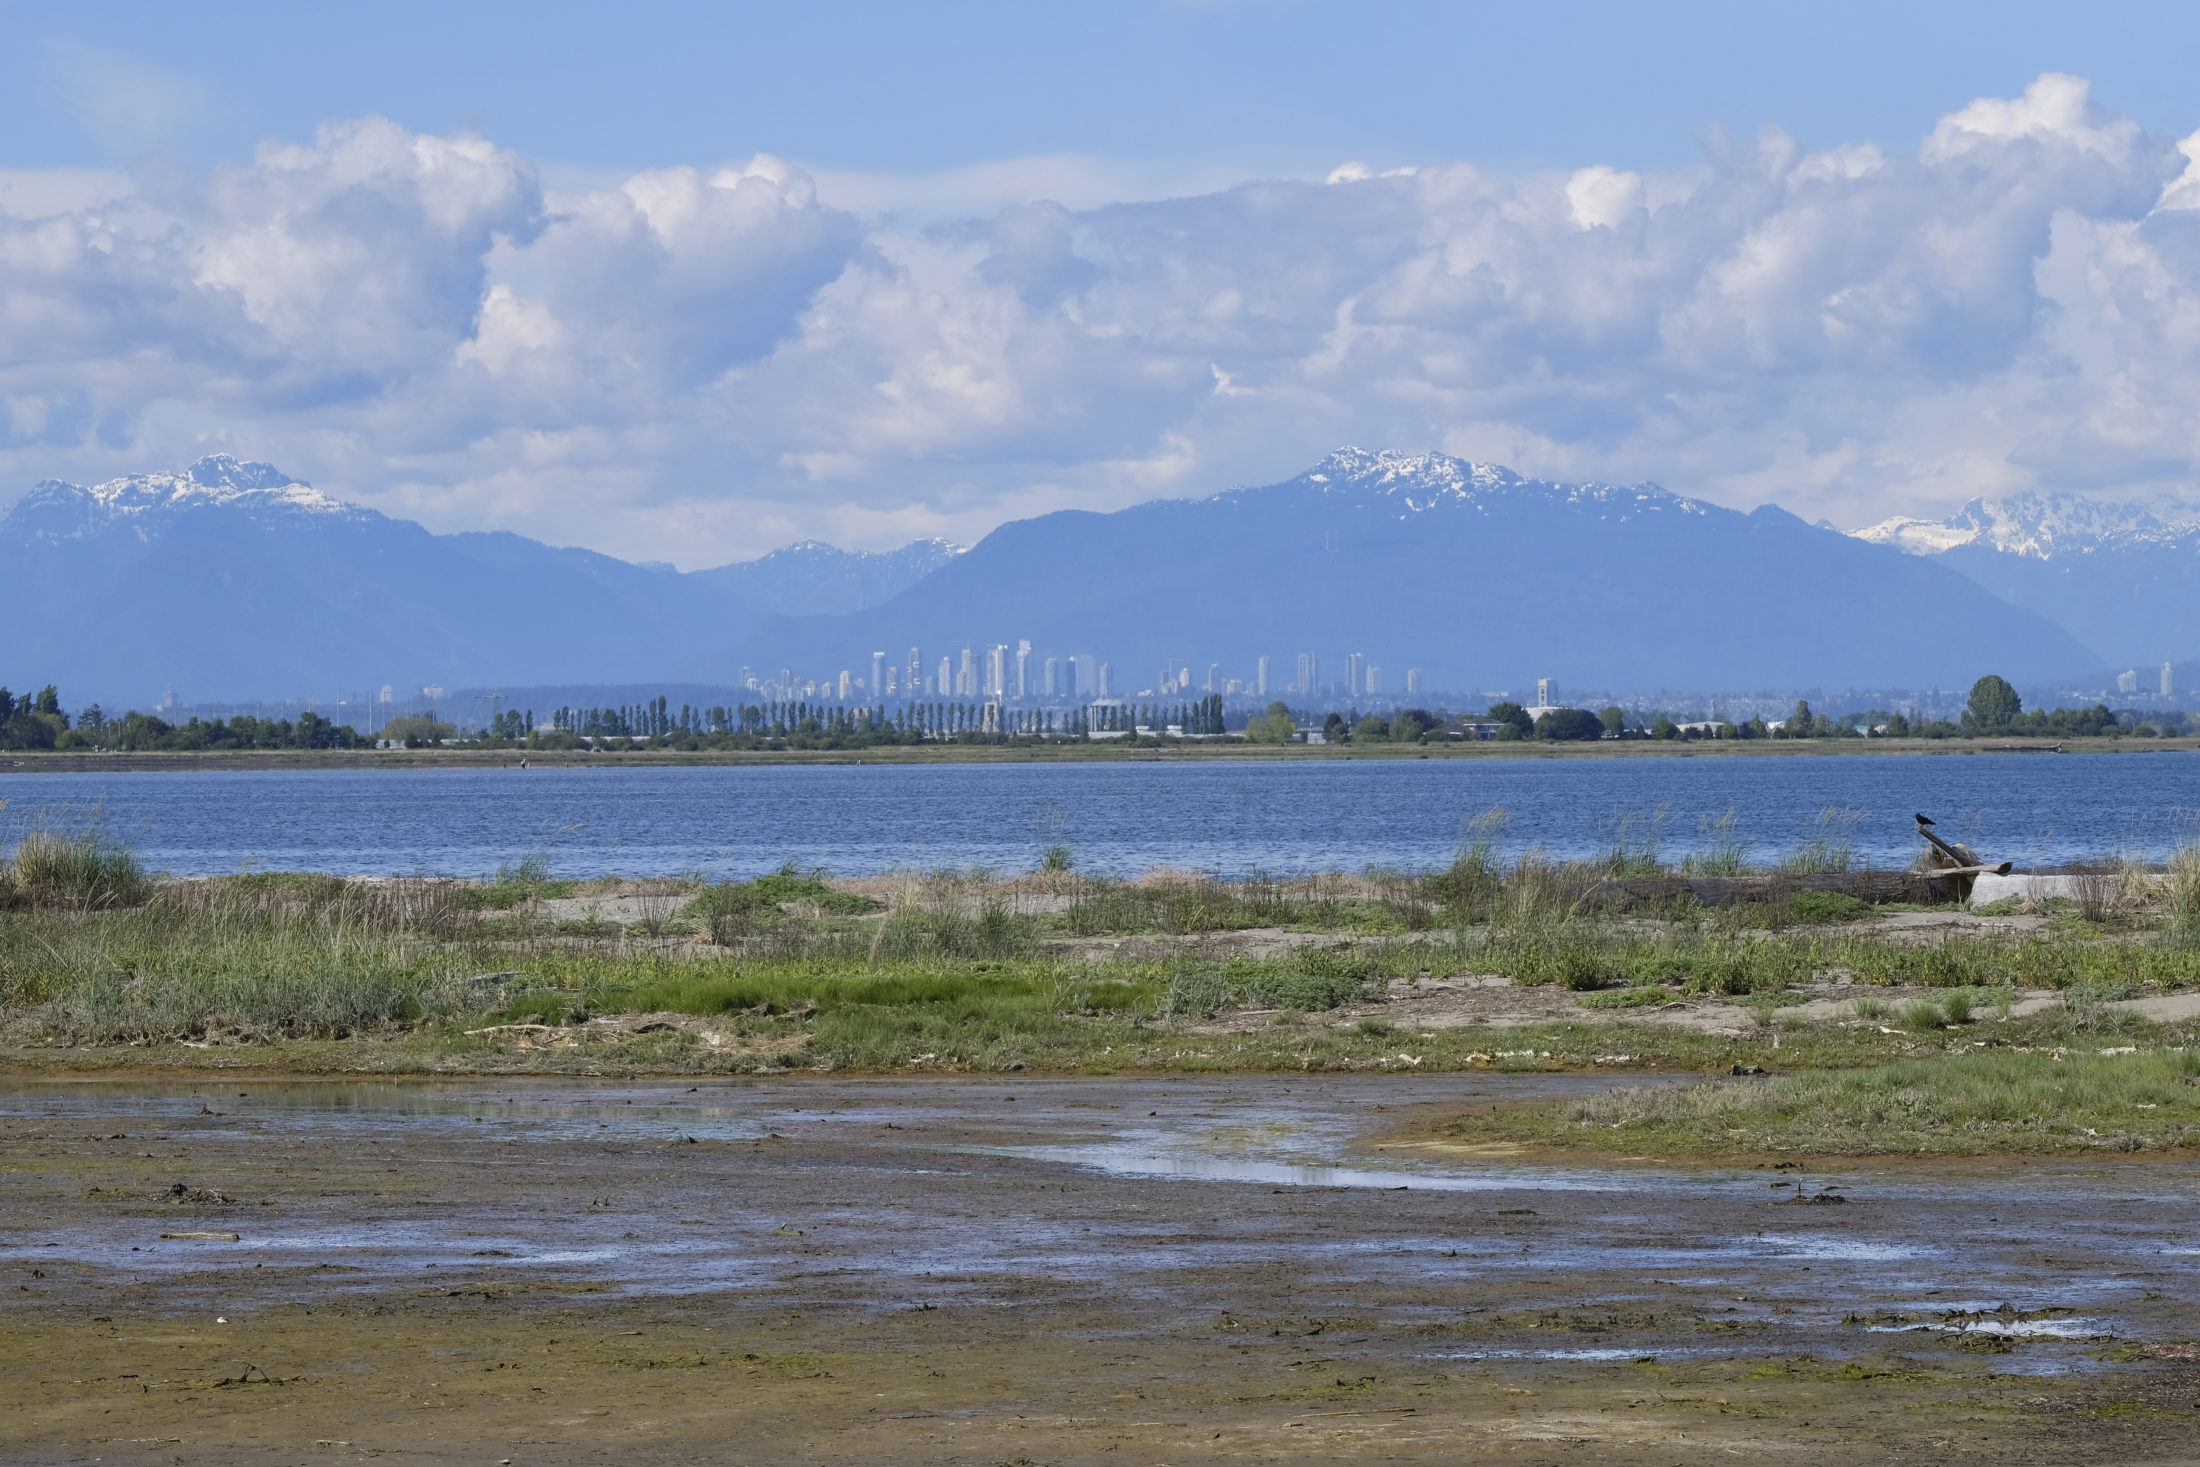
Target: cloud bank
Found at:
x=700, y=363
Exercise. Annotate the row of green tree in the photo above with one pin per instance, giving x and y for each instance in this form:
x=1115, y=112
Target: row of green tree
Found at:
x=803, y=724
x=37, y=721
x=1993, y=710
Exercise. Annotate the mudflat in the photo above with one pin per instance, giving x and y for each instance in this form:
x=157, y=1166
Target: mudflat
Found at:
x=1126, y=1269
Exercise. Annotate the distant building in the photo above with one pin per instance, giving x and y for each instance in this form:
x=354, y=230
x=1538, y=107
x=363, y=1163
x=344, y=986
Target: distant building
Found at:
x=847, y=685
x=1355, y=674
x=1023, y=669
x=1413, y=682
x=1051, y=680
x=913, y=679
x=947, y=678
x=1104, y=682
x=878, y=674
x=2127, y=682
x=966, y=681
x=2169, y=683
x=1546, y=693
x=1260, y=678
x=1374, y=681
x=1087, y=675
x=996, y=670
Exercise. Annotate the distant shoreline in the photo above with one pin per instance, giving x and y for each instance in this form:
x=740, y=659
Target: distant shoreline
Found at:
x=274, y=759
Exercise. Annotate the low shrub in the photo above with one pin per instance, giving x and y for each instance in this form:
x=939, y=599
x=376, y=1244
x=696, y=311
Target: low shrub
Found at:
x=1828, y=906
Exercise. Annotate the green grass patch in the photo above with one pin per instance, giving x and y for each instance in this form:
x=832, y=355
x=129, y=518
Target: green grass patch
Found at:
x=1967, y=1104
x=1828, y=906
x=1627, y=998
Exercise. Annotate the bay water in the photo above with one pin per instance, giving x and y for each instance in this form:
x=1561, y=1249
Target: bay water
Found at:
x=1231, y=818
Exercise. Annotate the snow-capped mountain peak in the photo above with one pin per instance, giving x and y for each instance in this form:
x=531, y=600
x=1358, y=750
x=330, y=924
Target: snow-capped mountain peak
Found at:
x=1417, y=482
x=138, y=503
x=2035, y=526
x=215, y=480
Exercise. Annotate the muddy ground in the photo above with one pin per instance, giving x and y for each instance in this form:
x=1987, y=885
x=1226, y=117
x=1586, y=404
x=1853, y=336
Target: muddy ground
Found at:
x=1061, y=1271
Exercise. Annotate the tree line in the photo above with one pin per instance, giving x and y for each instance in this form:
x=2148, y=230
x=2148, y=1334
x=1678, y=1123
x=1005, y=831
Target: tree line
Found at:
x=799, y=724
x=37, y=721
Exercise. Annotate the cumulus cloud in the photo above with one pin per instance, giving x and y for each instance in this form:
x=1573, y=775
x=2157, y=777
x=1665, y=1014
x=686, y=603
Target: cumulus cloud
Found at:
x=696, y=363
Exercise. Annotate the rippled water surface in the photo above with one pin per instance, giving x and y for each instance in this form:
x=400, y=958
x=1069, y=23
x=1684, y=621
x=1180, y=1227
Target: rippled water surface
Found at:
x=1232, y=818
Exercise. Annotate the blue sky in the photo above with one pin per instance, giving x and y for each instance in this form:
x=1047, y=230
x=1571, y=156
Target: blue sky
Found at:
x=925, y=88
x=686, y=282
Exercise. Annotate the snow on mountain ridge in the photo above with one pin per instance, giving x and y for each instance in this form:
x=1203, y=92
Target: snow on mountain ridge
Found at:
x=217, y=479
x=935, y=547
x=1426, y=481
x=54, y=510
x=2036, y=526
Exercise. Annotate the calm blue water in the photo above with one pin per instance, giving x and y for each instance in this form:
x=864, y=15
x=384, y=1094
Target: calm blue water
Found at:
x=1232, y=819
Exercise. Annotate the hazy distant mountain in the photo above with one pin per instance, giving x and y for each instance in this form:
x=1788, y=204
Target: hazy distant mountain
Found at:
x=2122, y=578
x=810, y=575
x=232, y=580
x=1477, y=576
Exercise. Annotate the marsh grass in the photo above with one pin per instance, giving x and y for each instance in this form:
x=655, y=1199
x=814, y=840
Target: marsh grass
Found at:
x=1719, y=850
x=1183, y=904
x=1924, y=1014
x=2098, y=890
x=1830, y=845
x=1474, y=883
x=784, y=908
x=2181, y=893
x=943, y=920
x=1959, y=1104
x=1631, y=842
x=1311, y=982
x=66, y=858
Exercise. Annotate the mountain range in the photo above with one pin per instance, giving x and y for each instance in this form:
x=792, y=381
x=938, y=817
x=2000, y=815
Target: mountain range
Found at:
x=2123, y=578
x=1473, y=574
x=231, y=580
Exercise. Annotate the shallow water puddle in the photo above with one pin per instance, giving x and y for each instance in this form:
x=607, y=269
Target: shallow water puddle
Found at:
x=915, y=1193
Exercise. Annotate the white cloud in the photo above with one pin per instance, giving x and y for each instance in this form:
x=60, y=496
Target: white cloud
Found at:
x=698, y=362
x=1603, y=198
x=2056, y=110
